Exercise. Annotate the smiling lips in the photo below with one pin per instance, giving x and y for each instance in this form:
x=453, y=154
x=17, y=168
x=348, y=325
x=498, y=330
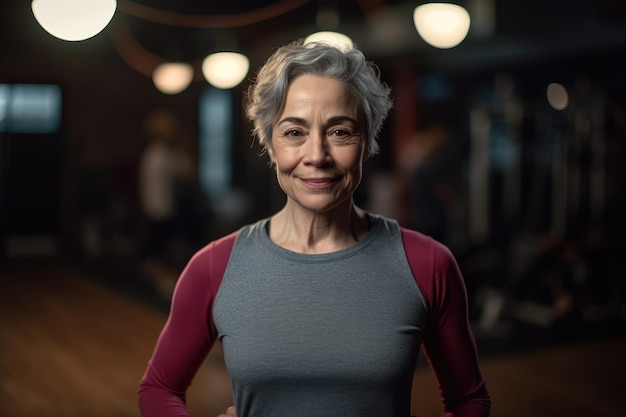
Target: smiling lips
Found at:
x=318, y=183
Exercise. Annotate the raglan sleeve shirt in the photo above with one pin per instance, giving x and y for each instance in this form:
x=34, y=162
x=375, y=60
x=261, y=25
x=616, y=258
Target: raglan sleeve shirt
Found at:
x=189, y=332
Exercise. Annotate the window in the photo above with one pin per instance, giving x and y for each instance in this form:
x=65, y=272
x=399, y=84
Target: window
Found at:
x=30, y=108
x=215, y=142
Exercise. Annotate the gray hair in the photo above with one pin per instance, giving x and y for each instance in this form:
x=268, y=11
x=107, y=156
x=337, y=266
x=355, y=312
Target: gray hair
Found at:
x=266, y=97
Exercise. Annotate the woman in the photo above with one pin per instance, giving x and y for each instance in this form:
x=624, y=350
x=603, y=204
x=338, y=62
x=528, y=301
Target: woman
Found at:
x=322, y=307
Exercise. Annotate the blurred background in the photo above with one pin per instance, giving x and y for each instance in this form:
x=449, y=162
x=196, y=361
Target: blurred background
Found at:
x=508, y=147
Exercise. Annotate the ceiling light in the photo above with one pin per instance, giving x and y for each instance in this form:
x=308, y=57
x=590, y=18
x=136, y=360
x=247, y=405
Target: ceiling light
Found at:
x=73, y=20
x=172, y=77
x=557, y=96
x=442, y=25
x=336, y=39
x=225, y=69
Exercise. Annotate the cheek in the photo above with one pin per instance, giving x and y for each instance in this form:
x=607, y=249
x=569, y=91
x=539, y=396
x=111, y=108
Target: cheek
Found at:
x=285, y=159
x=283, y=171
x=284, y=167
x=353, y=161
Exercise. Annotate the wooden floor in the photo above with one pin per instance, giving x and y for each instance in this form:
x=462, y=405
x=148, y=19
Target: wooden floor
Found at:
x=70, y=346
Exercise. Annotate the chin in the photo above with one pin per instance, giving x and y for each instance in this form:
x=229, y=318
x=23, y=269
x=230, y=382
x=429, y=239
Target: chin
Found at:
x=320, y=205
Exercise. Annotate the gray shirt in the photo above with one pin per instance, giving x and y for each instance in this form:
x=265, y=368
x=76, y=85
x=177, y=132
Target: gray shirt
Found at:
x=321, y=335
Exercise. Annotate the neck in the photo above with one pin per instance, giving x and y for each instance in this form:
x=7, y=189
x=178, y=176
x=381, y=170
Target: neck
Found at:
x=306, y=232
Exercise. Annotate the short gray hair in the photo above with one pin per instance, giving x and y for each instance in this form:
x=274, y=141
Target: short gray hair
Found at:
x=266, y=97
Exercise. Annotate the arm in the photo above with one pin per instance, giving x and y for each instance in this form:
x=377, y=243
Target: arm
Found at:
x=448, y=341
x=187, y=336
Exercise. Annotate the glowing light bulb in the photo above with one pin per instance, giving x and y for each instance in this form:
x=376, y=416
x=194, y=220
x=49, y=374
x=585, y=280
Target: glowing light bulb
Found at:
x=557, y=96
x=442, y=25
x=225, y=69
x=336, y=39
x=73, y=20
x=172, y=77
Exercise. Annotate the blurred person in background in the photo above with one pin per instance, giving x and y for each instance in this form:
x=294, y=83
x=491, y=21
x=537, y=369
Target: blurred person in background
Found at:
x=321, y=308
x=165, y=171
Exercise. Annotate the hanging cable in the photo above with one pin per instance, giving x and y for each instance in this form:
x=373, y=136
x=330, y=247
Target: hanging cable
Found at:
x=209, y=21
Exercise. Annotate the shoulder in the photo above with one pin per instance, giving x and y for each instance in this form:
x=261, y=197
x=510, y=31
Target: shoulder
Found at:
x=214, y=251
x=210, y=261
x=433, y=265
x=217, y=252
x=426, y=250
x=422, y=251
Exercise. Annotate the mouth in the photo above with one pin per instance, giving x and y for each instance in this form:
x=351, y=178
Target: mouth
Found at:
x=318, y=183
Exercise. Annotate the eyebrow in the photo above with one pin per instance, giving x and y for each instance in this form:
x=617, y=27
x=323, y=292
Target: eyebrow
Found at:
x=301, y=121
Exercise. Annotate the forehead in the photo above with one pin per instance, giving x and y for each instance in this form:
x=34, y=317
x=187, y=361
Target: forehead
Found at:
x=310, y=89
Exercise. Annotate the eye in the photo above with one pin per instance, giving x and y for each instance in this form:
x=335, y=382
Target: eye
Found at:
x=340, y=133
x=344, y=135
x=292, y=133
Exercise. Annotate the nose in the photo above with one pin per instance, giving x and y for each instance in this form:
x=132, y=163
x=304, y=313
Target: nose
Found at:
x=316, y=151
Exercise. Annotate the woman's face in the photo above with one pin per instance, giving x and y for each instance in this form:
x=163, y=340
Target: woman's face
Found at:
x=317, y=146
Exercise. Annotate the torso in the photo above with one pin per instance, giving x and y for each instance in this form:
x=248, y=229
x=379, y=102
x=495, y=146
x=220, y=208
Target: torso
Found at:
x=318, y=335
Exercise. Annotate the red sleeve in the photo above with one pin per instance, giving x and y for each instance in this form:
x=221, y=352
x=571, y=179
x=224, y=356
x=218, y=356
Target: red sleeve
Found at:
x=448, y=340
x=188, y=334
